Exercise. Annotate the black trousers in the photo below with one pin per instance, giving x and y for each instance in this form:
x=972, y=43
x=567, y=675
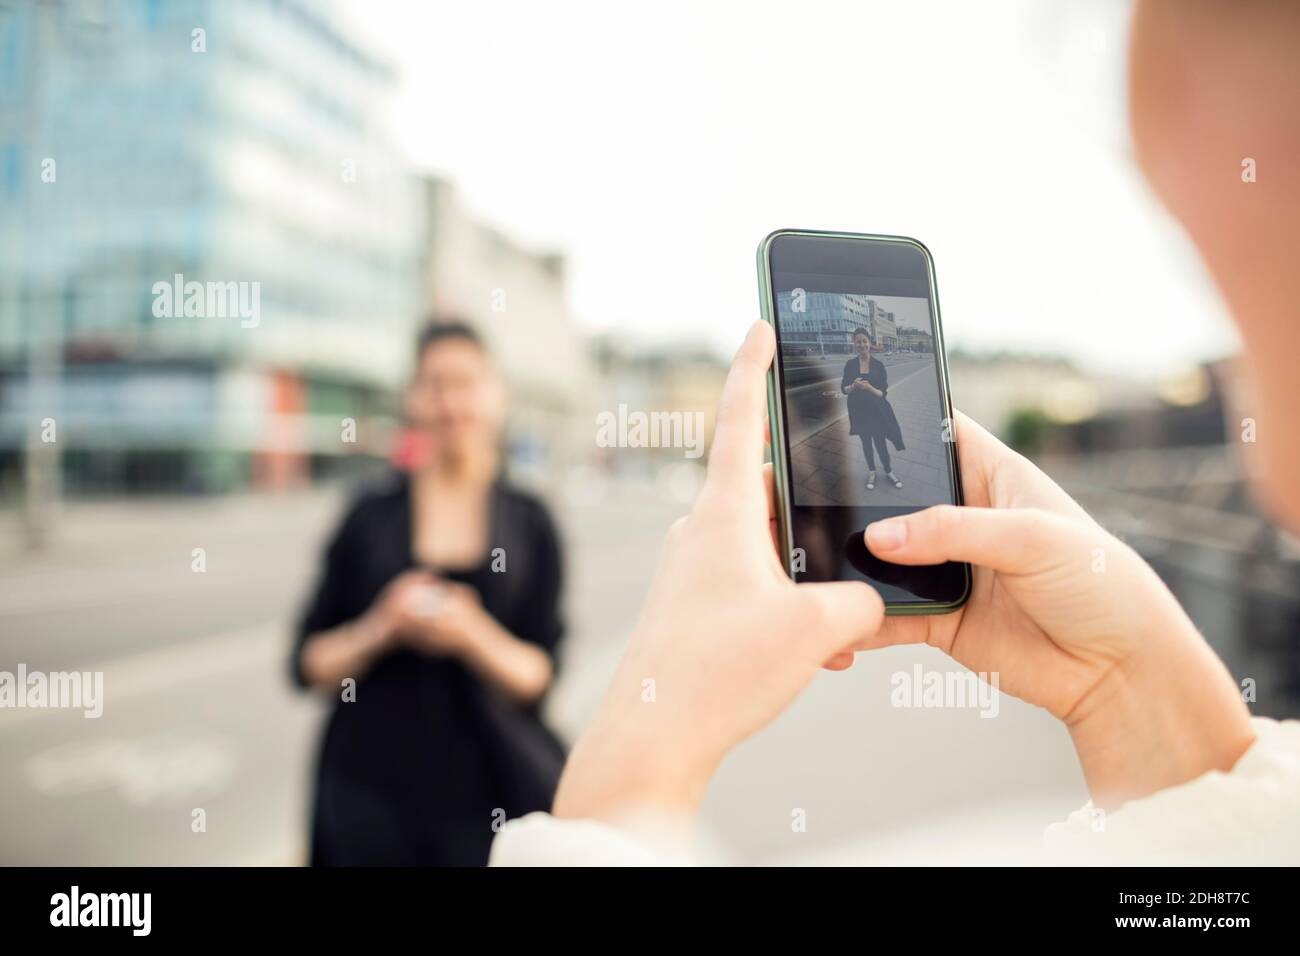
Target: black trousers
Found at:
x=880, y=448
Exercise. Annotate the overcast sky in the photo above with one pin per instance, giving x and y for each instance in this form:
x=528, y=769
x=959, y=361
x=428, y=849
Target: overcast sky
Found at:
x=657, y=143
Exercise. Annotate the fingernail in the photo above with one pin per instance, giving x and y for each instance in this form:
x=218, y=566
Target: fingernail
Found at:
x=886, y=535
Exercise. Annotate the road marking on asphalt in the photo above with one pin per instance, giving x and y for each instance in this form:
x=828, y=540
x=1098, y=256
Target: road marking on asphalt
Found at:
x=163, y=668
x=70, y=588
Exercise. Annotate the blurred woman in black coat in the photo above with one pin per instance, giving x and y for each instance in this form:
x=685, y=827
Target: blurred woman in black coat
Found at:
x=871, y=417
x=434, y=629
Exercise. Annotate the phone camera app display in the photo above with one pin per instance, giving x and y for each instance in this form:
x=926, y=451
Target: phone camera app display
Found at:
x=864, y=409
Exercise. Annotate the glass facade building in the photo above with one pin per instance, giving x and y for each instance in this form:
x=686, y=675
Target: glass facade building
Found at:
x=236, y=144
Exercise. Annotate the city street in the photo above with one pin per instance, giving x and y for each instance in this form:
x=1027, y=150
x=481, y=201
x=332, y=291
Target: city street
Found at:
x=829, y=467
x=199, y=714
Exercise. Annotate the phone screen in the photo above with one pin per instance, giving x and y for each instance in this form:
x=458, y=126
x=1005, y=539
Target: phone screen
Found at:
x=865, y=415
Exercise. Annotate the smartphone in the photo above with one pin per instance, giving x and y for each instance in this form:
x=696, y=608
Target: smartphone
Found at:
x=860, y=412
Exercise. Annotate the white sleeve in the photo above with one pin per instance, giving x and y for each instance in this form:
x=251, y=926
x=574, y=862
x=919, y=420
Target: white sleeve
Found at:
x=540, y=839
x=1247, y=816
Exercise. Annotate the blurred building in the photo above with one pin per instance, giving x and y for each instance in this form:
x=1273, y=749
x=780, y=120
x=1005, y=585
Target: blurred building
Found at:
x=683, y=378
x=232, y=148
x=1019, y=397
x=516, y=297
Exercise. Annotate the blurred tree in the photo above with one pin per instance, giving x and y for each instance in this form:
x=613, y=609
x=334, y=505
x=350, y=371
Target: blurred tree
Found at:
x=1026, y=430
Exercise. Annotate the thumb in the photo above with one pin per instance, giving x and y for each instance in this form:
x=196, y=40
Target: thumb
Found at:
x=1009, y=540
x=841, y=614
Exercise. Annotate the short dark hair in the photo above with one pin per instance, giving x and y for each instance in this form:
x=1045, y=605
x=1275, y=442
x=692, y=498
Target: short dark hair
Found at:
x=861, y=331
x=442, y=329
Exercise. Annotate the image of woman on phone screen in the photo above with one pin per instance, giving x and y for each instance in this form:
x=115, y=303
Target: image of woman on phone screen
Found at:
x=871, y=417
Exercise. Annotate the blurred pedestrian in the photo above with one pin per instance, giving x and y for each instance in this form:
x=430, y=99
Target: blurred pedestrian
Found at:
x=434, y=628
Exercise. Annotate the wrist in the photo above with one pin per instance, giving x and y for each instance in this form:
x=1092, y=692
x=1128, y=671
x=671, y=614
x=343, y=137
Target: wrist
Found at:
x=1166, y=715
x=475, y=639
x=629, y=773
x=374, y=628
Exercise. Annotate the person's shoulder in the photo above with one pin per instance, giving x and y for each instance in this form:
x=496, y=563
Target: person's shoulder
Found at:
x=521, y=499
x=524, y=507
x=385, y=485
x=375, y=495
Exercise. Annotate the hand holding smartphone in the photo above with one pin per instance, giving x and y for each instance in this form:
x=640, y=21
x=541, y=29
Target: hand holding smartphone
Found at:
x=861, y=312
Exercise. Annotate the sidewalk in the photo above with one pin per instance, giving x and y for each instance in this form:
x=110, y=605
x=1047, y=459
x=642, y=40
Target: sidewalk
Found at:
x=829, y=468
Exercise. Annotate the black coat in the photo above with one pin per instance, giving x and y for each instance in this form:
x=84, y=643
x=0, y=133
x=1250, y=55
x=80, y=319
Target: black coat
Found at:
x=870, y=414
x=418, y=768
